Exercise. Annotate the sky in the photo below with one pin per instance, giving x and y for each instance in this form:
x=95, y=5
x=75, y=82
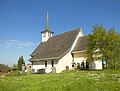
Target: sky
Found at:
x=21, y=22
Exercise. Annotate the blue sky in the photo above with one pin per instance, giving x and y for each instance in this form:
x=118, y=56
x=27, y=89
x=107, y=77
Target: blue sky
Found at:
x=21, y=22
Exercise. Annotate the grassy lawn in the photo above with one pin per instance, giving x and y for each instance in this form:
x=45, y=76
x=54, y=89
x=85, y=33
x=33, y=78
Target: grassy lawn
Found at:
x=107, y=80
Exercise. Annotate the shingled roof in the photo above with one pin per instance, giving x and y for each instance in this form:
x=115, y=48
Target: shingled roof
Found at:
x=55, y=46
x=81, y=44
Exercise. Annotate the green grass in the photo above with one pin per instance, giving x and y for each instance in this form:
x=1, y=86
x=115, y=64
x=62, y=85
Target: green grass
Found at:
x=107, y=80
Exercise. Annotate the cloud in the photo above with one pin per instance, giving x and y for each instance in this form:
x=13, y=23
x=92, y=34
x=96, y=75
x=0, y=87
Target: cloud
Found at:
x=16, y=44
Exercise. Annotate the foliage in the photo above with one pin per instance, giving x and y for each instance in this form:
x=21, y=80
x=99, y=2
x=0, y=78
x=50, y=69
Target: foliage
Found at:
x=20, y=62
x=16, y=73
x=4, y=67
x=112, y=49
x=96, y=42
x=14, y=67
x=107, y=80
x=104, y=45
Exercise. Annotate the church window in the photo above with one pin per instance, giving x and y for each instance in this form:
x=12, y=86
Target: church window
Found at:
x=52, y=62
x=45, y=63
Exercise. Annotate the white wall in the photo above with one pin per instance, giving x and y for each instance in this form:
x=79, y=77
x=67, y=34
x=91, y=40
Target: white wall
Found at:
x=38, y=65
x=80, y=57
x=41, y=65
x=63, y=62
x=97, y=65
x=46, y=37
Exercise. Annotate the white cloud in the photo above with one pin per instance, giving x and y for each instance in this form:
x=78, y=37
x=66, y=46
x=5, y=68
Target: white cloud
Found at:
x=16, y=44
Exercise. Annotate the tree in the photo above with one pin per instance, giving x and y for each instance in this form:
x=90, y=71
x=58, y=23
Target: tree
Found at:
x=96, y=43
x=3, y=66
x=113, y=49
x=104, y=46
x=20, y=62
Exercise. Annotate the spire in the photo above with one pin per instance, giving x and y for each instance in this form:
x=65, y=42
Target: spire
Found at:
x=46, y=34
x=47, y=29
x=47, y=20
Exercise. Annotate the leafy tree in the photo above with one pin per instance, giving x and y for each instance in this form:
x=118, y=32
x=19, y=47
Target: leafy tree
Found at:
x=104, y=46
x=20, y=62
x=97, y=43
x=112, y=49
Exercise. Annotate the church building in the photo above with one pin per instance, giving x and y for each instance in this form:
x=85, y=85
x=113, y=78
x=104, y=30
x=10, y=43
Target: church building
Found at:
x=58, y=53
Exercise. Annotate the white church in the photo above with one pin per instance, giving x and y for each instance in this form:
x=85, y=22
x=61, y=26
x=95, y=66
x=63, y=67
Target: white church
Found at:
x=58, y=53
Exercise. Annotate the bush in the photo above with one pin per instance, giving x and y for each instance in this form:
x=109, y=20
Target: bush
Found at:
x=16, y=73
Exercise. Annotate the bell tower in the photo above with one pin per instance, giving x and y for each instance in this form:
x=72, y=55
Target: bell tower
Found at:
x=46, y=34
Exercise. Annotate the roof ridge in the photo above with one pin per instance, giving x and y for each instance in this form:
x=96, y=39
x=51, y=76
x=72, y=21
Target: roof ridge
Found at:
x=66, y=32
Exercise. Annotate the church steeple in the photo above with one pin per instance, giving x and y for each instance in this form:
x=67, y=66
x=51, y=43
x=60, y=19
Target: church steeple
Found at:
x=47, y=20
x=46, y=34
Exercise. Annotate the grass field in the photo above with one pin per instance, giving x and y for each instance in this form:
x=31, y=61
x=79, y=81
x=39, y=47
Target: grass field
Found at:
x=107, y=80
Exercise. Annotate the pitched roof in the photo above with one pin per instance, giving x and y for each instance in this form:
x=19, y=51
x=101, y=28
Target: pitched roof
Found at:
x=40, y=46
x=55, y=46
x=81, y=44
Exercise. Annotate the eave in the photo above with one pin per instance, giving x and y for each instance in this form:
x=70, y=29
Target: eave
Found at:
x=79, y=51
x=43, y=59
